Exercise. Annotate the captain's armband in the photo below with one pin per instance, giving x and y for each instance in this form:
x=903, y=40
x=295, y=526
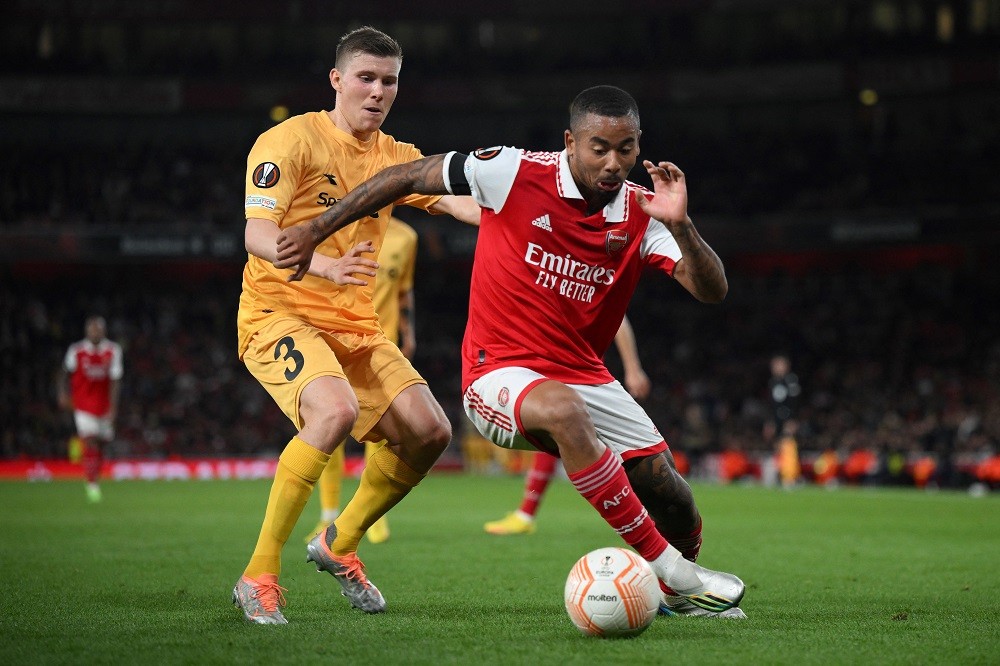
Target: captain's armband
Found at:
x=454, y=174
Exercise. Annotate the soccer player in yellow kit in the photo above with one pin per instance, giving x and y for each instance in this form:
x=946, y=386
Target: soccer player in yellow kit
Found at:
x=316, y=344
x=394, y=305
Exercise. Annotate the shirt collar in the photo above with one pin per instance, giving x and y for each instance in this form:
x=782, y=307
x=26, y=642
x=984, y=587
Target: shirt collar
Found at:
x=614, y=212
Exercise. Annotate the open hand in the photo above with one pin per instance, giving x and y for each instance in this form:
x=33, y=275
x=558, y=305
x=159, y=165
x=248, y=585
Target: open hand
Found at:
x=669, y=202
x=343, y=270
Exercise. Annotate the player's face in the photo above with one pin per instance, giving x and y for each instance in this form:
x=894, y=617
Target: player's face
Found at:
x=95, y=329
x=601, y=153
x=366, y=88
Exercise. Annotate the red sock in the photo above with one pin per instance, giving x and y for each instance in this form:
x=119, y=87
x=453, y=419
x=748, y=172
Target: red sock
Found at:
x=688, y=544
x=606, y=486
x=91, y=459
x=536, y=481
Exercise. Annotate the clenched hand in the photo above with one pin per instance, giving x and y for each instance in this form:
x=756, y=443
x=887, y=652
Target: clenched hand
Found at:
x=295, y=250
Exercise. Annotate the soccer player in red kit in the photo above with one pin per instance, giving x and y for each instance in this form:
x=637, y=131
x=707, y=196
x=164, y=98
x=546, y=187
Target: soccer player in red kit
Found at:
x=563, y=241
x=543, y=465
x=94, y=369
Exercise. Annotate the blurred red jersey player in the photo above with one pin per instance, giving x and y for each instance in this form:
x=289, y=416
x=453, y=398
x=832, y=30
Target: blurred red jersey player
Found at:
x=94, y=369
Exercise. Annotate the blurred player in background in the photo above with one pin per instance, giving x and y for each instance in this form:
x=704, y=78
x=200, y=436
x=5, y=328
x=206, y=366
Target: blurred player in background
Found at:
x=563, y=241
x=787, y=455
x=543, y=465
x=784, y=390
x=316, y=344
x=782, y=428
x=394, y=305
x=89, y=384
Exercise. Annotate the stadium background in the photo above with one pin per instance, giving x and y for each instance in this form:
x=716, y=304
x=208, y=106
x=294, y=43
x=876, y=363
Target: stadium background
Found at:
x=842, y=157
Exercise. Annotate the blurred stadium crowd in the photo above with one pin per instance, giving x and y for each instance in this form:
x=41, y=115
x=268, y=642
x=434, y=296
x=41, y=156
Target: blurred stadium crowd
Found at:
x=129, y=119
x=902, y=364
x=805, y=170
x=122, y=114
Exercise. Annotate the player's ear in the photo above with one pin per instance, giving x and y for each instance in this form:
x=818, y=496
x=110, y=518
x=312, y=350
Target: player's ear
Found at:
x=568, y=140
x=336, y=81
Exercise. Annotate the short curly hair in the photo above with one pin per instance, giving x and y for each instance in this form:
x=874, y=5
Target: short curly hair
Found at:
x=607, y=101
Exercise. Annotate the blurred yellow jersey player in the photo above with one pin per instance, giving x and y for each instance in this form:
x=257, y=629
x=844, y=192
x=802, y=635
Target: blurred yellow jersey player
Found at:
x=316, y=345
x=394, y=304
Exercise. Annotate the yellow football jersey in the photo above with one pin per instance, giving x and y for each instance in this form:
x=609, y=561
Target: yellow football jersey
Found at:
x=396, y=262
x=295, y=171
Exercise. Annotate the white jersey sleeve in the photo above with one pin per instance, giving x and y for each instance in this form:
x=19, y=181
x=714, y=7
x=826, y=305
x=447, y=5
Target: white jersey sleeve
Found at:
x=117, y=368
x=659, y=247
x=69, y=363
x=487, y=174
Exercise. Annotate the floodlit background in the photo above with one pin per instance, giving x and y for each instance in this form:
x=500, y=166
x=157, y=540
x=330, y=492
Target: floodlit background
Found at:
x=842, y=157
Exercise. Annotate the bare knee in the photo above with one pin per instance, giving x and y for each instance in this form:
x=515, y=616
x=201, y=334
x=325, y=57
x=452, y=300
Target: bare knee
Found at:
x=433, y=440
x=328, y=414
x=421, y=446
x=326, y=427
x=427, y=431
x=437, y=436
x=416, y=427
x=568, y=419
x=556, y=412
x=334, y=417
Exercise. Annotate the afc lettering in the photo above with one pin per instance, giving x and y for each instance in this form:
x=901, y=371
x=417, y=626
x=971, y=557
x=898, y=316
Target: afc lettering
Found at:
x=616, y=500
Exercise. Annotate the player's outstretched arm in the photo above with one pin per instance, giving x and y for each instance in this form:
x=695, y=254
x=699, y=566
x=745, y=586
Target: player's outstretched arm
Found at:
x=463, y=208
x=407, y=332
x=62, y=389
x=699, y=270
x=296, y=244
x=261, y=238
x=636, y=380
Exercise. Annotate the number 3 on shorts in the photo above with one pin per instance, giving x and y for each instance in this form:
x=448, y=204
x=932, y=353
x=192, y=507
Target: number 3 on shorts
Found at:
x=286, y=346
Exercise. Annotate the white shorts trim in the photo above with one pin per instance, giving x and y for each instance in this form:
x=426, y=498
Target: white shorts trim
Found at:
x=90, y=425
x=493, y=403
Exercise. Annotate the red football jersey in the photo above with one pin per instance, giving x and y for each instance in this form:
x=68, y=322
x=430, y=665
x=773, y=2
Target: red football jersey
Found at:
x=91, y=368
x=550, y=284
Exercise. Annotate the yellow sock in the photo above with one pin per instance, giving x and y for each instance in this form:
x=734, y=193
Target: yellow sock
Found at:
x=385, y=481
x=379, y=530
x=299, y=466
x=329, y=484
x=372, y=447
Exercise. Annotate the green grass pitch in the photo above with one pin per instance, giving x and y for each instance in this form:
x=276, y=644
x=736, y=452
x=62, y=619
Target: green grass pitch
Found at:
x=853, y=576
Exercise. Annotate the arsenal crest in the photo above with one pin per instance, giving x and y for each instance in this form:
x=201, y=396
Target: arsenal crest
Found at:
x=615, y=241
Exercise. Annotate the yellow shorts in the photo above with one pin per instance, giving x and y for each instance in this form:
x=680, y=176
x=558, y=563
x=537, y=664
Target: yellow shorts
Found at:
x=286, y=354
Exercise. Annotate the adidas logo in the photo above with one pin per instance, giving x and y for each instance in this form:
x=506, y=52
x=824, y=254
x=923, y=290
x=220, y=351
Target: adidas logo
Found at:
x=542, y=222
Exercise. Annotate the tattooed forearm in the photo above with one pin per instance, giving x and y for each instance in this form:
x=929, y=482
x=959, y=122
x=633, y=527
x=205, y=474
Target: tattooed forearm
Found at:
x=702, y=266
x=427, y=175
x=422, y=177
